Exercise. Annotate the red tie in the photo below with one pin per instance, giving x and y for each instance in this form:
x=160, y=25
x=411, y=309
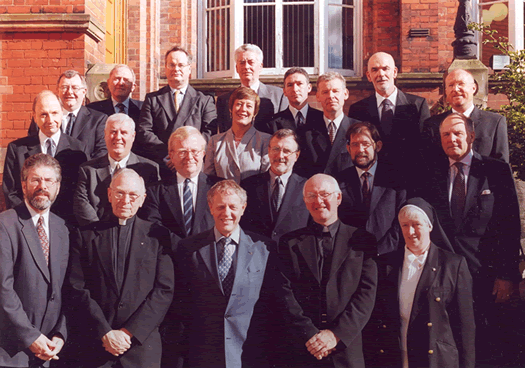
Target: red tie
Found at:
x=43, y=238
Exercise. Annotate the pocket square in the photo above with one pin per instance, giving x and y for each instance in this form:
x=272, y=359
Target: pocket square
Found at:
x=486, y=192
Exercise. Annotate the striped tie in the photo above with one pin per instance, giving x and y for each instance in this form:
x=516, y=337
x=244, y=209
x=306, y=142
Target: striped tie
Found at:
x=188, y=206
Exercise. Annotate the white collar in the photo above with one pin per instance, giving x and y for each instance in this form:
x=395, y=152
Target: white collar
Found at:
x=235, y=235
x=35, y=215
x=123, y=163
x=392, y=98
x=254, y=87
x=284, y=177
x=294, y=111
x=43, y=138
x=181, y=179
x=467, y=112
x=467, y=160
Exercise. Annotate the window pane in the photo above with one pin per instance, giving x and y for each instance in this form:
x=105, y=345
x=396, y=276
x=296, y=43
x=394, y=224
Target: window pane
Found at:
x=298, y=35
x=259, y=29
x=341, y=2
x=257, y=1
x=218, y=29
x=340, y=37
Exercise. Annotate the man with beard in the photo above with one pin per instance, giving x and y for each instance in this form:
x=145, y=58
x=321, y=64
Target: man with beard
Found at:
x=372, y=191
x=34, y=249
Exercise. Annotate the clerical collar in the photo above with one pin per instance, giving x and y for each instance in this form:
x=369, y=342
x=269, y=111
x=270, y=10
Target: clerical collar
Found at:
x=332, y=228
x=235, y=235
x=124, y=222
x=411, y=257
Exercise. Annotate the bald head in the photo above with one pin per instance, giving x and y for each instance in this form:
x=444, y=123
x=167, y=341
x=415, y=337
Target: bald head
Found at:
x=126, y=193
x=322, y=196
x=47, y=112
x=460, y=88
x=382, y=72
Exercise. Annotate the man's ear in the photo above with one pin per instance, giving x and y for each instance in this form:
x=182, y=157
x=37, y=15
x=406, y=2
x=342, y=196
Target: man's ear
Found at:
x=379, y=145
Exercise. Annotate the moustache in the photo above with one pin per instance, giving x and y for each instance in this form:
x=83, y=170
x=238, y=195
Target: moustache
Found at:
x=42, y=191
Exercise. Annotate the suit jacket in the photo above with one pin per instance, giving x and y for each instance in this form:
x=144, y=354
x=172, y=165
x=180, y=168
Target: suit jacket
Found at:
x=491, y=134
x=99, y=306
x=226, y=161
x=158, y=119
x=318, y=155
x=70, y=153
x=163, y=206
x=31, y=302
x=88, y=128
x=272, y=101
x=388, y=196
x=258, y=216
x=349, y=293
x=106, y=107
x=488, y=233
x=91, y=196
x=441, y=320
x=217, y=325
x=285, y=120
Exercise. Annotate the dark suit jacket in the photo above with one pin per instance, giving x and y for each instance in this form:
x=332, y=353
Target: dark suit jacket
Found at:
x=285, y=120
x=163, y=206
x=258, y=215
x=350, y=293
x=272, y=101
x=318, y=155
x=91, y=196
x=491, y=134
x=158, y=119
x=488, y=234
x=106, y=107
x=442, y=317
x=88, y=128
x=99, y=306
x=388, y=195
x=31, y=301
x=70, y=153
x=217, y=325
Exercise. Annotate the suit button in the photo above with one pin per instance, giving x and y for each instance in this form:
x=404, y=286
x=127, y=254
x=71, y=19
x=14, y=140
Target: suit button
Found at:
x=121, y=305
x=381, y=351
x=431, y=352
x=438, y=299
x=384, y=326
x=429, y=324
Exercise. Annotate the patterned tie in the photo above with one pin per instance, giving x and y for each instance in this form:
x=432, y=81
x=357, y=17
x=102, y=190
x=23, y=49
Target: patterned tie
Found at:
x=71, y=121
x=299, y=119
x=44, y=242
x=387, y=114
x=226, y=275
x=331, y=132
x=177, y=106
x=50, y=147
x=365, y=190
x=457, y=200
x=121, y=108
x=188, y=206
x=276, y=196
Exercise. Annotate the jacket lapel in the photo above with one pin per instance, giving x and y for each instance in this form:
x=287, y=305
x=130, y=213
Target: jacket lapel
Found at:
x=201, y=204
x=102, y=170
x=245, y=251
x=341, y=249
x=63, y=143
x=188, y=103
x=167, y=103
x=286, y=204
x=308, y=248
x=136, y=251
x=173, y=199
x=82, y=116
x=56, y=249
x=102, y=242
x=430, y=271
x=33, y=242
x=372, y=110
x=206, y=255
x=474, y=184
x=339, y=142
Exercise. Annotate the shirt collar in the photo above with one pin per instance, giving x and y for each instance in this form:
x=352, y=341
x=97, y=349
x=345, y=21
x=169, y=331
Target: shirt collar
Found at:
x=392, y=98
x=337, y=121
x=125, y=103
x=254, y=87
x=35, y=215
x=371, y=171
x=181, y=179
x=43, y=138
x=235, y=235
x=294, y=111
x=467, y=112
x=66, y=113
x=411, y=258
x=284, y=177
x=467, y=160
x=181, y=90
x=123, y=163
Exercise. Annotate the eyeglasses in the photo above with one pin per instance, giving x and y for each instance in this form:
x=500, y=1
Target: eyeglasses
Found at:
x=175, y=66
x=73, y=88
x=47, y=181
x=119, y=195
x=186, y=153
x=365, y=145
x=312, y=197
x=286, y=152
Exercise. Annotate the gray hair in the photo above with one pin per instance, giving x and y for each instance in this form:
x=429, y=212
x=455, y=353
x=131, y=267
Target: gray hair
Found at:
x=227, y=187
x=185, y=132
x=120, y=118
x=412, y=212
x=122, y=66
x=249, y=47
x=327, y=77
x=71, y=74
x=131, y=174
x=41, y=159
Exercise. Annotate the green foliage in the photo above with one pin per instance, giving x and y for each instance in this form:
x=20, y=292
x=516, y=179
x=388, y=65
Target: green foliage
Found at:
x=510, y=82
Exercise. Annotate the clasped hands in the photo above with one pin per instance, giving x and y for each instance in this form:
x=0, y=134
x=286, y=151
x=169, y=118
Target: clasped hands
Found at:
x=117, y=342
x=322, y=344
x=46, y=349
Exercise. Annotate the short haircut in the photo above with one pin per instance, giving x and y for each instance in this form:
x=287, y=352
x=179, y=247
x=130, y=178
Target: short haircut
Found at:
x=123, y=66
x=361, y=128
x=325, y=177
x=249, y=47
x=469, y=124
x=227, y=187
x=285, y=133
x=43, y=94
x=327, y=77
x=183, y=133
x=130, y=173
x=296, y=70
x=178, y=48
x=245, y=93
x=40, y=159
x=413, y=212
x=471, y=75
x=71, y=74
x=120, y=118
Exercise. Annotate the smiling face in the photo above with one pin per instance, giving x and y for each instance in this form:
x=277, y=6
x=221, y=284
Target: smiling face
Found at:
x=178, y=69
x=382, y=72
x=119, y=137
x=332, y=95
x=283, y=153
x=363, y=150
x=243, y=112
x=296, y=89
x=48, y=114
x=456, y=141
x=416, y=232
x=126, y=195
x=227, y=209
x=71, y=92
x=187, y=155
x=121, y=84
x=41, y=187
x=460, y=89
x=322, y=199
x=249, y=67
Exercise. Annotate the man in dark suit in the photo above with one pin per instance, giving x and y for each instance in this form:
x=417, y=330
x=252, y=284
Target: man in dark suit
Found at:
x=173, y=106
x=491, y=128
x=477, y=204
x=372, y=190
x=275, y=204
x=249, y=64
x=34, y=248
x=329, y=283
x=324, y=144
x=70, y=153
x=91, y=201
x=221, y=272
x=122, y=283
x=121, y=84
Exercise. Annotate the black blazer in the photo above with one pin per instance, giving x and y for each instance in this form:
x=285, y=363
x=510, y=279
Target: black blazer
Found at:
x=97, y=304
x=442, y=317
x=285, y=120
x=70, y=153
x=388, y=195
x=350, y=293
x=106, y=107
x=158, y=119
x=258, y=216
x=31, y=302
x=91, y=202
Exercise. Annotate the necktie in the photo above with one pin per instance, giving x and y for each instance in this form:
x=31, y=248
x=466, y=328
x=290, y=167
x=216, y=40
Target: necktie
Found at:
x=50, y=147
x=326, y=254
x=276, y=196
x=365, y=190
x=71, y=121
x=188, y=206
x=226, y=249
x=117, y=168
x=387, y=114
x=299, y=119
x=44, y=242
x=177, y=106
x=121, y=108
x=457, y=200
x=331, y=132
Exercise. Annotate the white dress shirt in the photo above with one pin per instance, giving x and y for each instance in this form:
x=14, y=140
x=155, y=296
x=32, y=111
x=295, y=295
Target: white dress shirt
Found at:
x=65, y=117
x=337, y=122
x=35, y=216
x=193, y=187
x=453, y=171
x=43, y=140
x=467, y=112
x=113, y=164
x=380, y=99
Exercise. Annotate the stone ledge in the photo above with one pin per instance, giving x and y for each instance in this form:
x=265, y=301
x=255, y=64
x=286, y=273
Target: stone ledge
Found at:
x=81, y=23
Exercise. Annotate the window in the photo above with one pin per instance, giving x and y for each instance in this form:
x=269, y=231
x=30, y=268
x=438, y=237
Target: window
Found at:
x=316, y=35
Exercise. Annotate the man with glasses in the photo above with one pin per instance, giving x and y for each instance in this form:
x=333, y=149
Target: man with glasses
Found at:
x=34, y=249
x=69, y=152
x=275, y=206
x=329, y=283
x=175, y=105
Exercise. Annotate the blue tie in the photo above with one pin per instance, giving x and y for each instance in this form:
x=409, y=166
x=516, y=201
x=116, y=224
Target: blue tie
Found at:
x=188, y=206
x=226, y=275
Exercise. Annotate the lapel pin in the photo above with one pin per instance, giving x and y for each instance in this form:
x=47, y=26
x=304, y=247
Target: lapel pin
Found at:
x=434, y=269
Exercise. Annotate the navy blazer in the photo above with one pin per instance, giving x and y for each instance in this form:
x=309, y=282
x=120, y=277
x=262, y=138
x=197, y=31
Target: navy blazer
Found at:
x=258, y=216
x=388, y=195
x=31, y=302
x=285, y=120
